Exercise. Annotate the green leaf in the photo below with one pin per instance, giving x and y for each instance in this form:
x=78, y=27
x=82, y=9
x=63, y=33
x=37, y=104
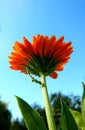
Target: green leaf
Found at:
x=32, y=118
x=83, y=103
x=78, y=118
x=67, y=120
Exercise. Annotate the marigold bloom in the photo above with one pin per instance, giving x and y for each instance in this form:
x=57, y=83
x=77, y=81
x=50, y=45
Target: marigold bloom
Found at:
x=44, y=55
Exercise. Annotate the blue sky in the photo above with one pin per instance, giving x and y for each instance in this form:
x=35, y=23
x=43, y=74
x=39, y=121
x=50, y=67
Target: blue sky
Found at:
x=20, y=18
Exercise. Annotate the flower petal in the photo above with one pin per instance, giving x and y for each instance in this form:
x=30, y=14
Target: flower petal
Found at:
x=53, y=75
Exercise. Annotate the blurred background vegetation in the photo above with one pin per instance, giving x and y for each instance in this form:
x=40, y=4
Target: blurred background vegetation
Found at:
x=7, y=122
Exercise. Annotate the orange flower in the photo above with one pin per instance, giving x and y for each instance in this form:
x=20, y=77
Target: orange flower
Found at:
x=44, y=55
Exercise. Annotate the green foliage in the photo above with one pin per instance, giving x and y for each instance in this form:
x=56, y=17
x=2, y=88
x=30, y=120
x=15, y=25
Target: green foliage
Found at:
x=18, y=125
x=83, y=103
x=78, y=118
x=73, y=102
x=5, y=119
x=5, y=116
x=41, y=112
x=32, y=119
x=67, y=120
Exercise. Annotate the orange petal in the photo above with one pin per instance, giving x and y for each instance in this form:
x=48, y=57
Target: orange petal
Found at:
x=51, y=45
x=16, y=47
x=53, y=75
x=60, y=40
x=39, y=45
x=27, y=44
x=59, y=68
x=16, y=67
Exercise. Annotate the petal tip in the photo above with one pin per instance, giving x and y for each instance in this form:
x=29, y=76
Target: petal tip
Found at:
x=53, y=75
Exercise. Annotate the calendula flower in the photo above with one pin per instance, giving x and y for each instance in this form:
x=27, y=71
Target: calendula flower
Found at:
x=44, y=55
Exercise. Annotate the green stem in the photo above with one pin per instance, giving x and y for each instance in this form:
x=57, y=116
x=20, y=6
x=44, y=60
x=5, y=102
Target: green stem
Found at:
x=49, y=114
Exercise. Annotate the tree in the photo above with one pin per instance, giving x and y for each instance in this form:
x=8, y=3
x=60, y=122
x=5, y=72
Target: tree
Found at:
x=5, y=119
x=5, y=116
x=18, y=125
